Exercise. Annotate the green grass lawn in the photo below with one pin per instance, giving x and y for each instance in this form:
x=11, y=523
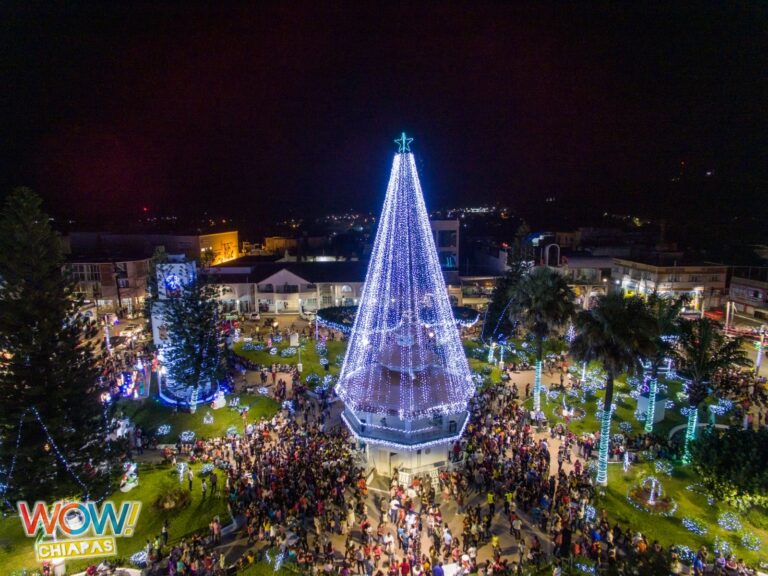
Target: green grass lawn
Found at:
x=149, y=414
x=669, y=530
x=310, y=359
x=17, y=551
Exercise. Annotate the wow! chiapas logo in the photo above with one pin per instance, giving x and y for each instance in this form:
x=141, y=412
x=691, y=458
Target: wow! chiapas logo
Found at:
x=72, y=529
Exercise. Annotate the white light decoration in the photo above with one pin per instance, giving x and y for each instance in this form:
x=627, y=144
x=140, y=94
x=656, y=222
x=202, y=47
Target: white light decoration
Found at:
x=405, y=363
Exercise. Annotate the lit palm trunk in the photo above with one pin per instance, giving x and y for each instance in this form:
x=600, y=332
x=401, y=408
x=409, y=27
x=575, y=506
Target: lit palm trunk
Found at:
x=605, y=443
x=605, y=432
x=690, y=432
x=537, y=387
x=652, y=391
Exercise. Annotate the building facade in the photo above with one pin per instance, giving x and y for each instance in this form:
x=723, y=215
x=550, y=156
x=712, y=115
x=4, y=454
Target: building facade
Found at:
x=213, y=248
x=749, y=291
x=111, y=283
x=705, y=284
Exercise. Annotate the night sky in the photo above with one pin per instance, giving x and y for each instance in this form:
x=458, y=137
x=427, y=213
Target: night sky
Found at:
x=263, y=111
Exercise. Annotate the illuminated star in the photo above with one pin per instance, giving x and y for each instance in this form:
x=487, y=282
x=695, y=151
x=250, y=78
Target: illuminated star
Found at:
x=404, y=143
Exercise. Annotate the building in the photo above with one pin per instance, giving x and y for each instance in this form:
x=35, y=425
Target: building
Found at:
x=588, y=276
x=749, y=291
x=405, y=382
x=704, y=283
x=446, y=235
x=250, y=284
x=112, y=283
x=214, y=247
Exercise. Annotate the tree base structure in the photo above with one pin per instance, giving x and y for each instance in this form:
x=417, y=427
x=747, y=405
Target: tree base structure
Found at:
x=416, y=447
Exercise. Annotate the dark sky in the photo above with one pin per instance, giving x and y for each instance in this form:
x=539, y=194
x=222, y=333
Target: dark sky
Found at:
x=258, y=109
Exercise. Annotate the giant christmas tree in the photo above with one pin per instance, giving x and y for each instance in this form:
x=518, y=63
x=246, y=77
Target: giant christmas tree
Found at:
x=405, y=380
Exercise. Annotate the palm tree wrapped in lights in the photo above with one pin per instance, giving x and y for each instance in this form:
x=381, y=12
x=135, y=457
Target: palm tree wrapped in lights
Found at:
x=543, y=301
x=703, y=351
x=618, y=332
x=665, y=313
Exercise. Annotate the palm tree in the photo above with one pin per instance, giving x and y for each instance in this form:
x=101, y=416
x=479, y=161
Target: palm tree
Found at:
x=543, y=302
x=665, y=313
x=617, y=332
x=703, y=351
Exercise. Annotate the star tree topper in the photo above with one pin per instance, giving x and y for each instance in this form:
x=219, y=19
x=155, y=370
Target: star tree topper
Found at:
x=403, y=143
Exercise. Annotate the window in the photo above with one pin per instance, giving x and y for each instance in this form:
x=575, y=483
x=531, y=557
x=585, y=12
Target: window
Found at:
x=346, y=289
x=85, y=272
x=693, y=278
x=446, y=238
x=123, y=283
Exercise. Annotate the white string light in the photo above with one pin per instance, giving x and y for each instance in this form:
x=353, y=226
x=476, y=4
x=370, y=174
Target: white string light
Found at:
x=405, y=360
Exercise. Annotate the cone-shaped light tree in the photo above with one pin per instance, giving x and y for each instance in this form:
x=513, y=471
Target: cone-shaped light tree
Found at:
x=543, y=302
x=618, y=333
x=405, y=375
x=702, y=351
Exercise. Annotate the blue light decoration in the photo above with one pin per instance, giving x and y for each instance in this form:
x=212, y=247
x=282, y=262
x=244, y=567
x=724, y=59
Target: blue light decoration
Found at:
x=663, y=467
x=695, y=525
x=653, y=386
x=273, y=351
x=722, y=546
x=206, y=469
x=751, y=542
x=729, y=521
x=187, y=436
x=684, y=553
x=232, y=431
x=139, y=559
x=163, y=429
x=405, y=364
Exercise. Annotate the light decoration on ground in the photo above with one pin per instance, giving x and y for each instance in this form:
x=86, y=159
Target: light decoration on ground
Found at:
x=663, y=467
x=181, y=470
x=263, y=390
x=751, y=542
x=187, y=436
x=234, y=401
x=627, y=462
x=288, y=352
x=139, y=558
x=723, y=406
x=655, y=503
x=208, y=418
x=206, y=469
x=669, y=404
x=163, y=429
x=405, y=360
x=684, y=553
x=253, y=347
x=722, y=546
x=273, y=351
x=695, y=525
x=729, y=521
x=625, y=427
x=586, y=568
x=232, y=431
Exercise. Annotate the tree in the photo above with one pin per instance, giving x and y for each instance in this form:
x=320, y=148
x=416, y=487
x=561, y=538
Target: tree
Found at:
x=542, y=301
x=618, y=333
x=664, y=313
x=48, y=370
x=703, y=351
x=497, y=319
x=194, y=353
